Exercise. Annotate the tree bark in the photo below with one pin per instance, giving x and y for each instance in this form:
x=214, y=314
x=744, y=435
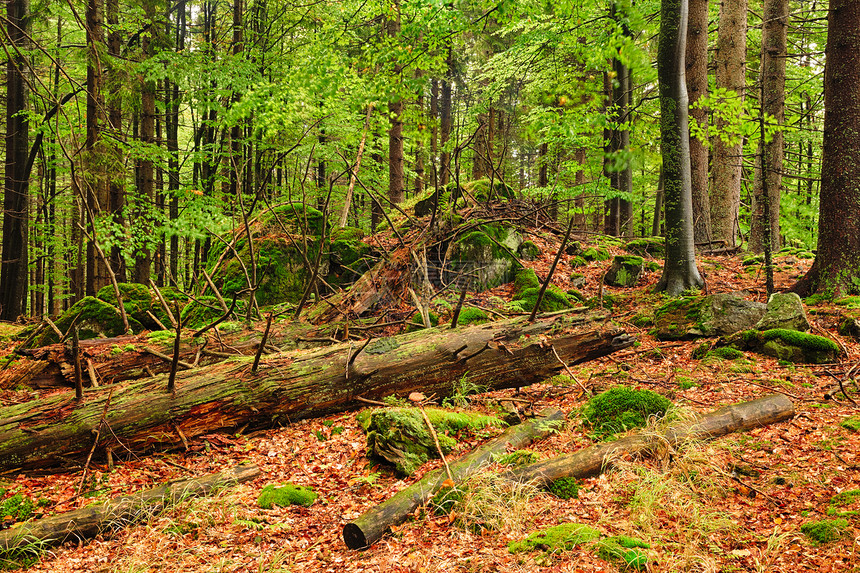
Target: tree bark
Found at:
x=296, y=385
x=679, y=270
x=446, y=121
x=697, y=87
x=593, y=460
x=727, y=159
x=396, y=177
x=102, y=519
x=374, y=523
x=773, y=55
x=837, y=262
x=143, y=223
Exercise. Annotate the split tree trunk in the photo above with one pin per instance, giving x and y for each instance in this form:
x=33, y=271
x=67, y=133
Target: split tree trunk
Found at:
x=290, y=386
x=593, y=460
x=93, y=520
x=373, y=524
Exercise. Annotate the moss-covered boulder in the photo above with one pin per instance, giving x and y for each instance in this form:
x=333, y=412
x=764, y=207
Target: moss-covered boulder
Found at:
x=592, y=254
x=556, y=539
x=525, y=279
x=472, y=315
x=789, y=345
x=285, y=495
x=577, y=280
x=482, y=191
x=202, y=311
x=713, y=315
x=625, y=271
x=486, y=253
x=849, y=323
x=554, y=299
x=621, y=408
x=349, y=256
x=295, y=218
x=172, y=297
x=136, y=298
x=528, y=251
x=95, y=319
x=400, y=435
x=647, y=247
x=784, y=310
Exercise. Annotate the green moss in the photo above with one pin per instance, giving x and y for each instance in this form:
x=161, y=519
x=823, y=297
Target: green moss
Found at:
x=18, y=507
x=845, y=498
x=564, y=488
x=851, y=423
x=753, y=260
x=525, y=279
x=347, y=234
x=596, y=254
x=295, y=217
x=726, y=353
x=554, y=299
x=824, y=531
x=556, y=539
x=651, y=246
x=472, y=315
x=417, y=319
x=480, y=190
x=621, y=408
x=97, y=318
x=205, y=310
x=136, y=298
x=518, y=458
x=624, y=550
x=801, y=339
x=286, y=495
x=577, y=261
x=848, y=302
x=280, y=270
x=529, y=251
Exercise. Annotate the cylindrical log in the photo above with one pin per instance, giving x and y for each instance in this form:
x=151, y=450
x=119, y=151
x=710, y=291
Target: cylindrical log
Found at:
x=87, y=522
x=295, y=385
x=592, y=460
x=373, y=524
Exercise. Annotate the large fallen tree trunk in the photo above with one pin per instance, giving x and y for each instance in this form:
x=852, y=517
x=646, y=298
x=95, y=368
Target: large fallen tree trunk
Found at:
x=373, y=524
x=289, y=386
x=592, y=460
x=87, y=522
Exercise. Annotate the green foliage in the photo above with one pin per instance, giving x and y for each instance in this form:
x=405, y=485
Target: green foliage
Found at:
x=726, y=353
x=824, y=531
x=518, y=458
x=461, y=389
x=416, y=319
x=596, y=254
x=564, y=488
x=529, y=251
x=472, y=315
x=136, y=299
x=801, y=339
x=285, y=495
x=851, y=423
x=621, y=408
x=447, y=498
x=556, y=539
x=624, y=550
x=554, y=299
x=525, y=279
x=202, y=311
x=16, y=507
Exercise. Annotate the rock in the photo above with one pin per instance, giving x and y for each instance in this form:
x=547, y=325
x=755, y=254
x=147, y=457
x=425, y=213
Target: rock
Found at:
x=785, y=344
x=95, y=319
x=574, y=249
x=647, y=246
x=577, y=280
x=784, y=310
x=625, y=271
x=849, y=324
x=528, y=251
x=480, y=254
x=713, y=315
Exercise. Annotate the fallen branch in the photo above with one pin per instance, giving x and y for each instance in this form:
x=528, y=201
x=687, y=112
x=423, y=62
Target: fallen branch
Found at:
x=87, y=522
x=373, y=524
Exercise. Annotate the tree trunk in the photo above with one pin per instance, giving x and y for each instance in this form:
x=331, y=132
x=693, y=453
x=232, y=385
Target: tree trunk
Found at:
x=679, y=270
x=373, y=524
x=116, y=170
x=773, y=54
x=446, y=121
x=593, y=460
x=295, y=385
x=16, y=193
x=396, y=178
x=697, y=87
x=727, y=159
x=837, y=263
x=143, y=223
x=103, y=518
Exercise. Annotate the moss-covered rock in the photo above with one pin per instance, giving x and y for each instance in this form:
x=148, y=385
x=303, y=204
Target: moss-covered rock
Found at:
x=400, y=435
x=647, y=247
x=172, y=297
x=481, y=190
x=97, y=319
x=417, y=319
x=202, y=311
x=564, y=488
x=577, y=280
x=554, y=299
x=528, y=251
x=525, y=279
x=625, y=271
x=824, y=531
x=784, y=310
x=285, y=495
x=294, y=217
x=136, y=299
x=556, y=539
x=621, y=408
x=789, y=345
x=486, y=253
x=592, y=254
x=472, y=315
x=849, y=323
x=720, y=314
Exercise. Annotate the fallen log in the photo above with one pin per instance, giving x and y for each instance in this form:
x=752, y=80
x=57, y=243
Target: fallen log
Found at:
x=117, y=513
x=593, y=460
x=373, y=524
x=142, y=416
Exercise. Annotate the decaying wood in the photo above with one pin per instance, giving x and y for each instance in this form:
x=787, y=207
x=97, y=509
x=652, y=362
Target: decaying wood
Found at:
x=373, y=524
x=104, y=518
x=592, y=460
x=293, y=385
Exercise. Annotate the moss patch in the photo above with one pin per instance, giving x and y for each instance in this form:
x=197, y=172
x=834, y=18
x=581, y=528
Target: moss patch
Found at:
x=136, y=299
x=528, y=251
x=418, y=319
x=286, y=495
x=564, y=488
x=15, y=508
x=556, y=539
x=625, y=551
x=621, y=408
x=851, y=423
x=647, y=246
x=824, y=531
x=472, y=315
x=554, y=299
x=525, y=279
x=97, y=318
x=595, y=254
x=518, y=458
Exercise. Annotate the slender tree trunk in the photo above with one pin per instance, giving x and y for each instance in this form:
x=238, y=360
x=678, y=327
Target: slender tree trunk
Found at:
x=697, y=87
x=116, y=170
x=679, y=269
x=727, y=162
x=611, y=224
x=396, y=178
x=446, y=121
x=16, y=192
x=773, y=54
x=146, y=190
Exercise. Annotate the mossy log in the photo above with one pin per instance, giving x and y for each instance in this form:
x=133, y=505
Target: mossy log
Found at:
x=592, y=460
x=373, y=524
x=289, y=386
x=102, y=518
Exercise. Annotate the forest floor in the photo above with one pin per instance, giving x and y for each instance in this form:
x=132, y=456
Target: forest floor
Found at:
x=694, y=508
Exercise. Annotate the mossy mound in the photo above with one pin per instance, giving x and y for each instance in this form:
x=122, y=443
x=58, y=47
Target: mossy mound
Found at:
x=625, y=551
x=849, y=323
x=525, y=279
x=621, y=408
x=724, y=353
x=518, y=458
x=713, y=315
x=577, y=261
x=528, y=251
x=592, y=254
x=554, y=299
x=202, y=311
x=556, y=539
x=98, y=319
x=481, y=190
x=851, y=423
x=136, y=299
x=789, y=345
x=400, y=435
x=564, y=488
x=647, y=247
x=285, y=495
x=417, y=320
x=472, y=315
x=824, y=531
x=294, y=217
x=625, y=271
x=15, y=508
x=173, y=298
x=487, y=253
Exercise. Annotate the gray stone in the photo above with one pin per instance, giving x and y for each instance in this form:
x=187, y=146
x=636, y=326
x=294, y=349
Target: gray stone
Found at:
x=784, y=310
x=725, y=313
x=480, y=257
x=625, y=271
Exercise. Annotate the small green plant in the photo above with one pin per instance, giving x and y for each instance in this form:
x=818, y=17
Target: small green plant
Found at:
x=564, y=488
x=685, y=383
x=285, y=495
x=621, y=408
x=17, y=507
x=824, y=531
x=624, y=550
x=460, y=392
x=330, y=431
x=518, y=458
x=852, y=423
x=556, y=539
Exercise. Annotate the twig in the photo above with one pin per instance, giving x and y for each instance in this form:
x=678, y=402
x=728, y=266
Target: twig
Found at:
x=163, y=302
x=54, y=327
x=368, y=401
x=352, y=358
x=262, y=344
x=222, y=318
x=567, y=369
x=545, y=284
x=215, y=291
x=76, y=358
x=91, y=370
x=174, y=361
x=98, y=432
x=155, y=320
x=418, y=397
x=181, y=435
x=165, y=357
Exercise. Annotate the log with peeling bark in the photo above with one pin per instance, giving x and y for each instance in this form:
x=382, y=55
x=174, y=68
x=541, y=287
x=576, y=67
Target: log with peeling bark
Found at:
x=141, y=416
x=372, y=524
x=88, y=522
x=593, y=460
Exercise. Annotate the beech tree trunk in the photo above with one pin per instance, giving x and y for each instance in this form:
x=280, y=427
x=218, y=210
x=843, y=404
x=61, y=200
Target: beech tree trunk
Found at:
x=593, y=460
x=697, y=87
x=290, y=386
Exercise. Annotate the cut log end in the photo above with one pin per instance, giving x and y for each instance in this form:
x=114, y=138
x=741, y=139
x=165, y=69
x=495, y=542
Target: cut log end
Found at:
x=354, y=536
